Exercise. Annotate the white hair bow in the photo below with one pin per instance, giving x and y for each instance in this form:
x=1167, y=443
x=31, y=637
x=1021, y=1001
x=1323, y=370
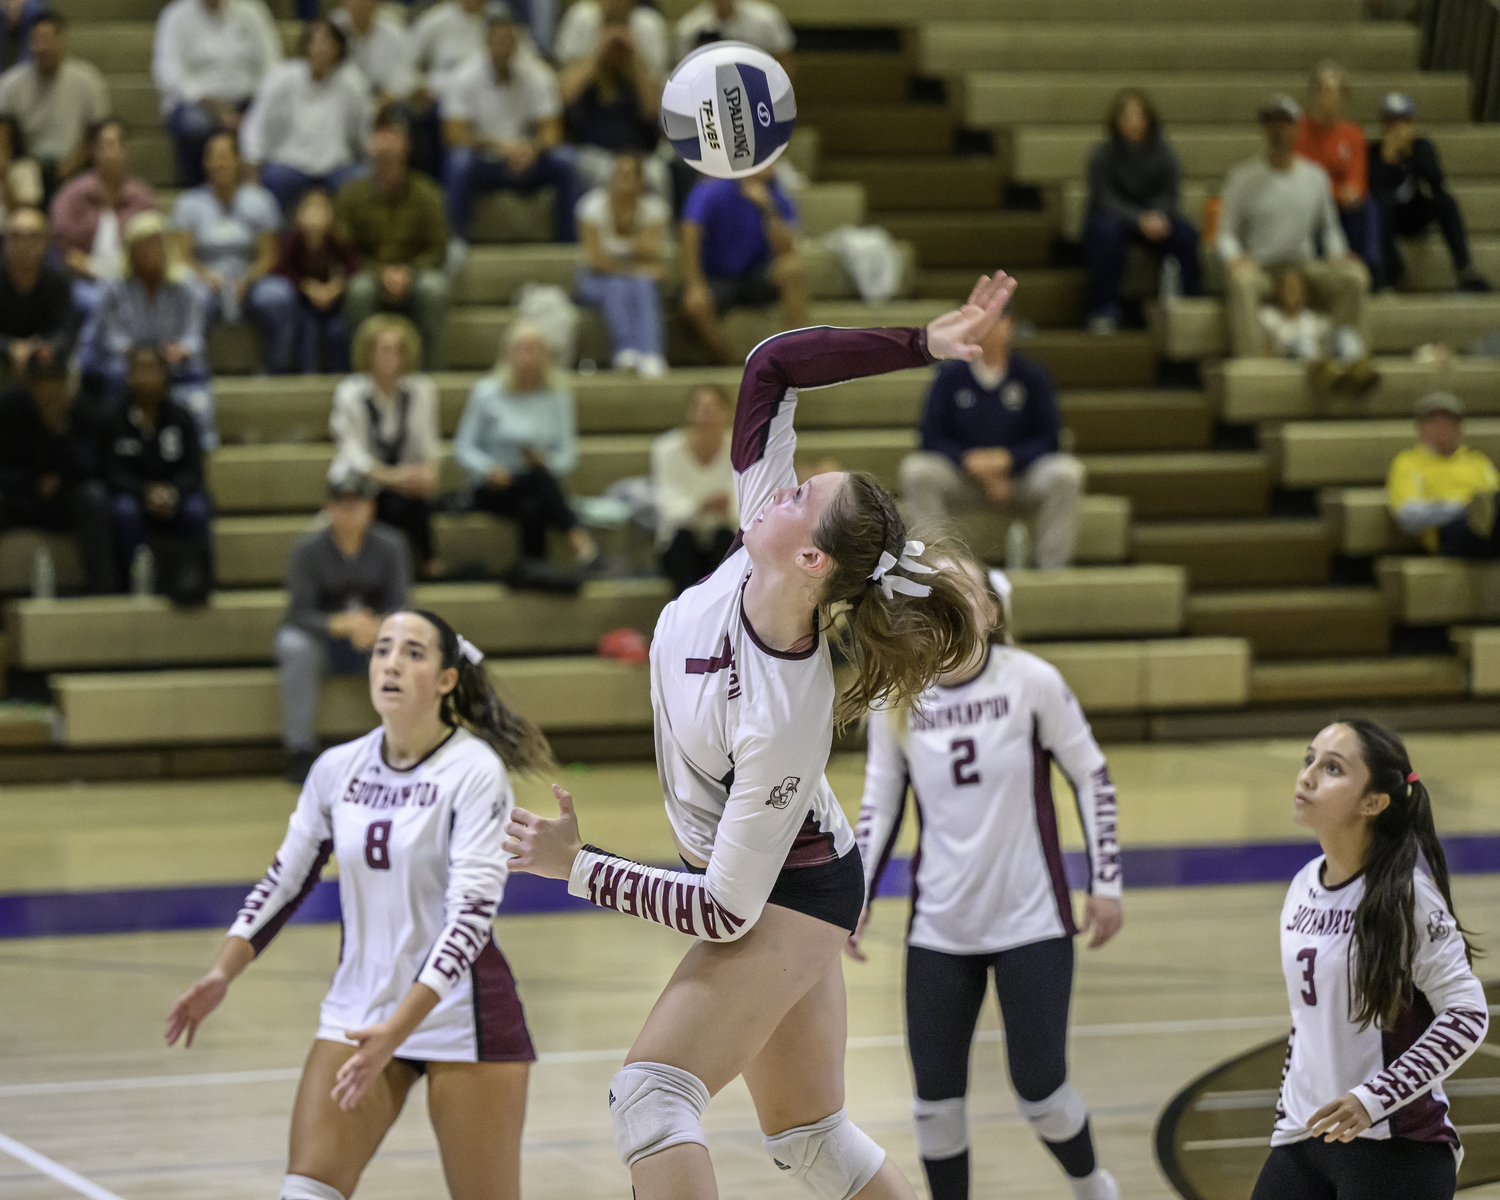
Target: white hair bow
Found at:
x=469, y=650
x=891, y=584
x=1002, y=585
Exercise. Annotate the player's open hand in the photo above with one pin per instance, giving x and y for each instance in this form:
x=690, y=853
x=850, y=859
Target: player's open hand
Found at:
x=1104, y=915
x=541, y=846
x=193, y=1006
x=958, y=334
x=1342, y=1120
x=377, y=1046
x=851, y=947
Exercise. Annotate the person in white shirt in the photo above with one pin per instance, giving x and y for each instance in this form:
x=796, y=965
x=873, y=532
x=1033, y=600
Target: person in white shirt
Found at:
x=414, y=812
x=381, y=47
x=442, y=40
x=621, y=229
x=56, y=98
x=989, y=895
x=310, y=120
x=692, y=487
x=1379, y=975
x=207, y=59
x=753, y=21
x=745, y=706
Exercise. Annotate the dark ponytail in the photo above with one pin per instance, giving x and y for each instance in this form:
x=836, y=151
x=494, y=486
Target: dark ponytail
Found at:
x=1385, y=927
x=474, y=705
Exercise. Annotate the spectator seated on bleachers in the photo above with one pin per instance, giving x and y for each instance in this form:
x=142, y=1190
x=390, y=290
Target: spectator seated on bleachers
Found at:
x=318, y=264
x=739, y=250
x=502, y=124
x=393, y=219
x=153, y=468
x=385, y=426
x=226, y=233
x=692, y=487
x=20, y=177
x=443, y=39
x=1276, y=209
x=16, y=20
x=753, y=21
x=991, y=440
x=1406, y=182
x=57, y=99
x=381, y=47
x=148, y=307
x=518, y=435
x=47, y=469
x=341, y=580
x=612, y=60
x=37, y=319
x=1337, y=145
x=620, y=230
x=1443, y=491
x=207, y=59
x=1135, y=197
x=1293, y=330
x=310, y=119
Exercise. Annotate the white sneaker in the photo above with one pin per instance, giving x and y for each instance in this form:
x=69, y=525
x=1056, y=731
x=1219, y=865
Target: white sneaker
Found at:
x=1100, y=1185
x=458, y=256
x=653, y=366
x=626, y=360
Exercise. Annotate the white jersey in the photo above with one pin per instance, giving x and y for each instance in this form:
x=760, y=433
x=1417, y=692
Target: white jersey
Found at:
x=978, y=757
x=421, y=871
x=1396, y=1073
x=743, y=731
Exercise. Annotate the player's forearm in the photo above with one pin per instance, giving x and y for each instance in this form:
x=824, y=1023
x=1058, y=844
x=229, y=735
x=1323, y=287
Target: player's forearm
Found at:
x=679, y=900
x=412, y=1011
x=1448, y=1042
x=235, y=954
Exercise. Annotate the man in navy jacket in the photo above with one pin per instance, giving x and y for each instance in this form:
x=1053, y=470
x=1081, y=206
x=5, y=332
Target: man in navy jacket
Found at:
x=990, y=438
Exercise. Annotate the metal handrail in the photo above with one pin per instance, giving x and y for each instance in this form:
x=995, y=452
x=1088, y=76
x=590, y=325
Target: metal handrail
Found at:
x=1464, y=35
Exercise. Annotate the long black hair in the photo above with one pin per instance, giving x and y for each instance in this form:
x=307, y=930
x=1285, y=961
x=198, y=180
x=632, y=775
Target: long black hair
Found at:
x=1385, y=928
x=473, y=704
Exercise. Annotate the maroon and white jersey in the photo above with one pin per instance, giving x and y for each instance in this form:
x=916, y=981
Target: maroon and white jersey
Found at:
x=421, y=871
x=743, y=731
x=1397, y=1073
x=988, y=874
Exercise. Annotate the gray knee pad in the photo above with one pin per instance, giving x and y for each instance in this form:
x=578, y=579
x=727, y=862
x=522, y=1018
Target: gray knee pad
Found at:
x=942, y=1127
x=300, y=1187
x=1057, y=1118
x=654, y=1106
x=833, y=1157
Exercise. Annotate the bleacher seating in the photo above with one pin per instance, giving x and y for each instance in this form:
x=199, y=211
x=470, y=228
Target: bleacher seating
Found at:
x=1439, y=591
x=1314, y=453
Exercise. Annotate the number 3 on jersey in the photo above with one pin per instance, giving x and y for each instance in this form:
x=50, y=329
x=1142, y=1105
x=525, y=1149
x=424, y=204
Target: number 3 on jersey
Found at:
x=1310, y=992
x=378, y=846
x=963, y=752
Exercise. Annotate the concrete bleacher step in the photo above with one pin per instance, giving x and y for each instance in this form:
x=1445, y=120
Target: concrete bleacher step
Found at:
x=1322, y=681
x=1238, y=554
x=1314, y=453
x=1051, y=297
x=928, y=181
x=1103, y=531
x=970, y=239
x=1184, y=485
x=1481, y=649
x=1137, y=420
x=1153, y=676
x=1359, y=520
x=1439, y=591
x=1260, y=389
x=1296, y=623
x=887, y=129
x=839, y=77
x=1081, y=360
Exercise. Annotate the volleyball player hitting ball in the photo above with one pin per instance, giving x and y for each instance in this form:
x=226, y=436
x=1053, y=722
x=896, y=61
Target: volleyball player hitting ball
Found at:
x=990, y=895
x=1385, y=1005
x=415, y=813
x=745, y=706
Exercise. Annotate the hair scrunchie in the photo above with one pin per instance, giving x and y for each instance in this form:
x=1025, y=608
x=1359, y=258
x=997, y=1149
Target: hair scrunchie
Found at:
x=1413, y=777
x=469, y=650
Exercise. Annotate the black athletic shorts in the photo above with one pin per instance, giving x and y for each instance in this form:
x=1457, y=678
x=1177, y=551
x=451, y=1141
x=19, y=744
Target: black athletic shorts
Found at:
x=753, y=289
x=832, y=891
x=1365, y=1169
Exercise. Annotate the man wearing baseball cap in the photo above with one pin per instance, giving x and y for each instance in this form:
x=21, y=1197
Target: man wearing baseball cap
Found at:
x=1406, y=181
x=1443, y=491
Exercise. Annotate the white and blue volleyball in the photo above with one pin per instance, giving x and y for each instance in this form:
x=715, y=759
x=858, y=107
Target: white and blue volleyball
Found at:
x=728, y=109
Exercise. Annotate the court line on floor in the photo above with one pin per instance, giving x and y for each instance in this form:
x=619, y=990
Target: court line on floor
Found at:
x=69, y=1179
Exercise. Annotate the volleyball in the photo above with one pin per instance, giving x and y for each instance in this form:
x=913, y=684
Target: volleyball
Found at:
x=728, y=109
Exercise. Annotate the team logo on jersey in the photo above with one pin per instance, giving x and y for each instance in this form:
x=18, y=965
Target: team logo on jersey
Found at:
x=782, y=793
x=1437, y=925
x=1013, y=396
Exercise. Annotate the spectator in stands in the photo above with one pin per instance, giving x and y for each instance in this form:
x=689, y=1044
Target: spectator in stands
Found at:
x=612, y=57
x=1440, y=489
x=57, y=99
x=1338, y=146
x=341, y=580
x=310, y=119
x=16, y=20
x=385, y=426
x=502, y=123
x=1134, y=198
x=207, y=59
x=393, y=219
x=991, y=439
x=752, y=21
x=380, y=47
x=621, y=229
x=47, y=469
x=1406, y=181
x=226, y=235
x=20, y=177
x=517, y=436
x=443, y=39
x=1276, y=209
x=739, y=250
x=692, y=485
x=319, y=264
x=37, y=322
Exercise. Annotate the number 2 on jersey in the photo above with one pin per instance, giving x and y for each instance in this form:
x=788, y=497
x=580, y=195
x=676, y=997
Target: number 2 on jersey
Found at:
x=378, y=846
x=964, y=753
x=1310, y=992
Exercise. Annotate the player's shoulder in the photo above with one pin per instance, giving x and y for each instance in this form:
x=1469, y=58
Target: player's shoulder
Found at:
x=470, y=754
x=337, y=761
x=1021, y=666
x=1309, y=878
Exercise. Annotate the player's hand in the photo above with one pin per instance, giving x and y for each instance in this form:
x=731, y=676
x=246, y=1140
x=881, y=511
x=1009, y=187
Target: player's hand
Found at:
x=541, y=846
x=958, y=334
x=1343, y=1120
x=1104, y=915
x=851, y=947
x=377, y=1046
x=193, y=1006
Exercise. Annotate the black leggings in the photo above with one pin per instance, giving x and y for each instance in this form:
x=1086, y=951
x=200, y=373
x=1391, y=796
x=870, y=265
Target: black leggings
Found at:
x=536, y=502
x=413, y=517
x=1363, y=1169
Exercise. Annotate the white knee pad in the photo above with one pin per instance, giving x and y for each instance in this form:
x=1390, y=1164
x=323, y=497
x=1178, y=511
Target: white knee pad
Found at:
x=654, y=1106
x=1057, y=1118
x=300, y=1187
x=942, y=1127
x=833, y=1157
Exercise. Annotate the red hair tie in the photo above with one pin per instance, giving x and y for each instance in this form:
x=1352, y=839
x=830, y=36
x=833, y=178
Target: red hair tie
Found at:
x=1412, y=778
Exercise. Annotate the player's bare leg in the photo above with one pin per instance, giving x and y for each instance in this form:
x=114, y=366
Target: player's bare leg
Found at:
x=790, y=278
x=477, y=1110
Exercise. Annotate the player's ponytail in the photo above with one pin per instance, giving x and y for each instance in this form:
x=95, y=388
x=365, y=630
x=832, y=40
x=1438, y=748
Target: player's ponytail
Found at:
x=898, y=642
x=1385, y=924
x=473, y=704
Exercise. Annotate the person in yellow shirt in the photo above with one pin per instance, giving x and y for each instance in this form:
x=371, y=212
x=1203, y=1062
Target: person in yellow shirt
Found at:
x=1442, y=490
